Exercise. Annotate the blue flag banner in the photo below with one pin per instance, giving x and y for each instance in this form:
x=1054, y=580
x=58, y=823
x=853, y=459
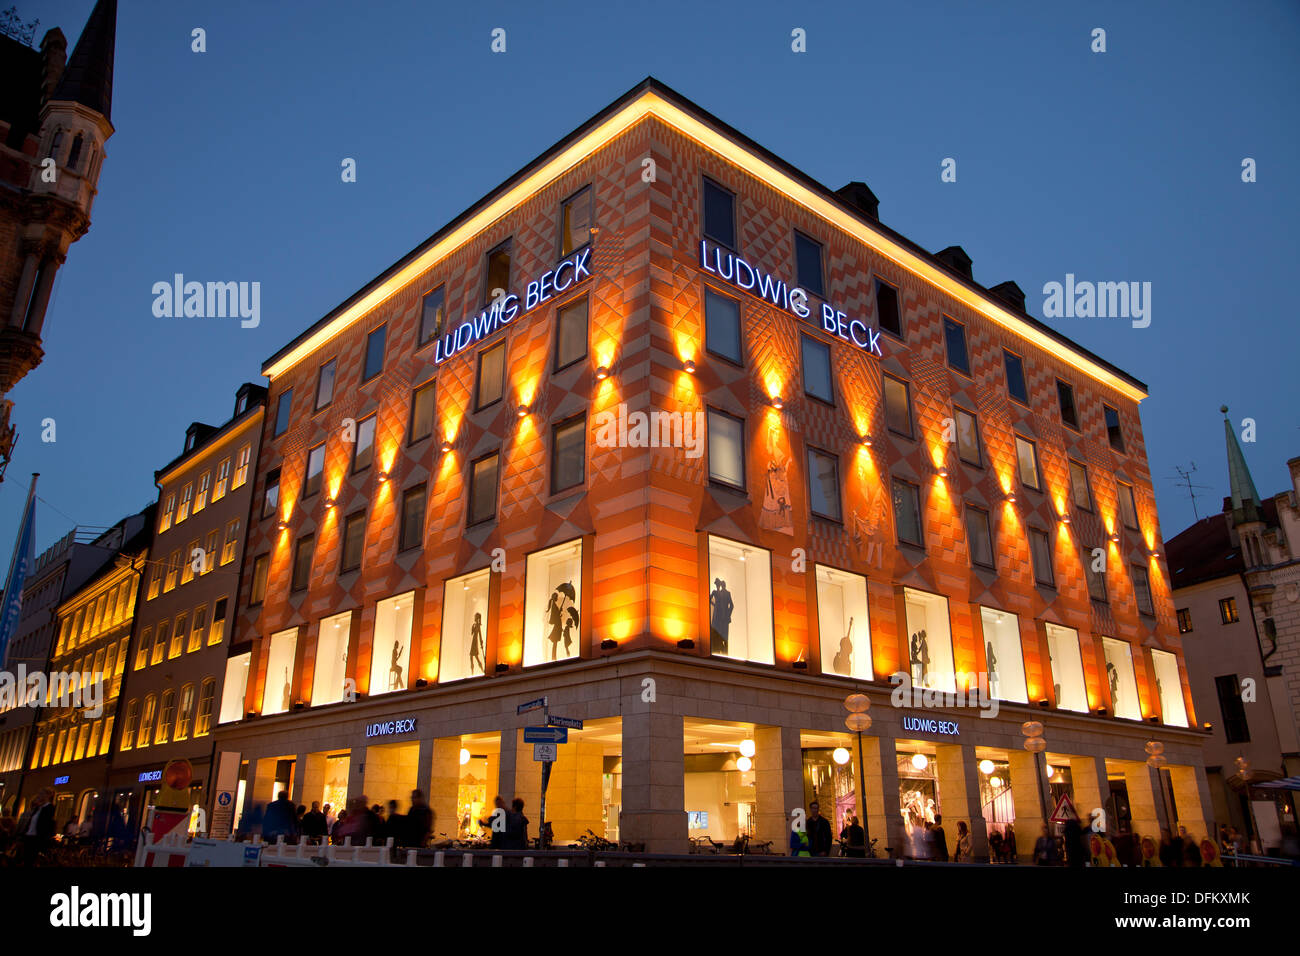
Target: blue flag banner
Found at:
x=12, y=606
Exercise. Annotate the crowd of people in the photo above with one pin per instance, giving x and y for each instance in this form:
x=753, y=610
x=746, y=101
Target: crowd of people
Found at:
x=36, y=831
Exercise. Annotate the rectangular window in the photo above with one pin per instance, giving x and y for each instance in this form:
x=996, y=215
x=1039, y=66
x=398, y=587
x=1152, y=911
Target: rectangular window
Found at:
x=433, y=314
x=169, y=509
x=218, y=630
x=183, y=714
x=391, y=655
x=1080, y=490
x=1027, y=463
x=978, y=536
x=907, y=512
x=423, y=406
x=817, y=369
x=325, y=385
x=898, y=405
x=173, y=569
x=179, y=630
x=201, y=497
x=824, y=484
x=1015, y=369
x=277, y=693
x=241, y=467
x=329, y=682
x=1184, y=620
x=1040, y=551
x=719, y=214
x=203, y=720
x=257, y=587
x=223, y=479
x=145, y=736
x=271, y=500
x=1119, y=675
x=197, y=629
x=740, y=601
x=954, y=334
x=571, y=334
x=726, y=449
x=210, y=550
x=1169, y=688
x=808, y=264
x=231, y=545
x=496, y=275
x=1235, y=727
x=1094, y=570
x=363, y=451
x=576, y=221
x=1127, y=506
x=315, y=471
x=929, y=642
x=128, y=725
x=187, y=563
x=553, y=604
x=483, y=489
x=1142, y=590
x=187, y=496
x=142, y=652
x=463, y=652
x=968, y=436
x=888, y=316
x=374, y=353
x=412, y=531
x=1004, y=659
x=283, y=406
x=491, y=376
x=235, y=688
x=1066, y=663
x=302, y=562
x=1228, y=610
x=1065, y=397
x=843, y=623
x=568, y=453
x=354, y=539
x=1113, y=431
x=722, y=326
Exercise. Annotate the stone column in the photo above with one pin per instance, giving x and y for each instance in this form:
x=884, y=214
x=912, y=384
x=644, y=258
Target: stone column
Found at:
x=654, y=778
x=41, y=297
x=778, y=783
x=24, y=293
x=1091, y=787
x=308, y=778
x=959, y=795
x=1191, y=798
x=440, y=776
x=260, y=787
x=527, y=781
x=1142, y=799
x=1031, y=794
x=884, y=823
x=573, y=797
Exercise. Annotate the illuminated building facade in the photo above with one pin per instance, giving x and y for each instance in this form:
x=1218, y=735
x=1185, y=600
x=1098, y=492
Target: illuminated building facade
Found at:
x=721, y=451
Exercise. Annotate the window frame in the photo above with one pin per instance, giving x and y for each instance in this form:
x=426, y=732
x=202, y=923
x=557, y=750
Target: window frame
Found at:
x=366, y=374
x=590, y=190
x=811, y=452
x=307, y=490
x=706, y=182
x=992, y=564
x=1007, y=356
x=958, y=410
x=579, y=420
x=895, y=480
x=1064, y=388
x=470, y=520
x=373, y=420
x=283, y=406
x=820, y=247
x=1184, y=617
x=1114, y=432
x=262, y=563
x=1038, y=465
x=421, y=339
x=949, y=324
x=344, y=567
x=310, y=540
x=581, y=299
x=1030, y=532
x=710, y=290
x=506, y=245
x=806, y=340
x=431, y=388
x=910, y=434
x=1087, y=485
x=479, y=404
x=407, y=494
x=877, y=282
x=332, y=365
x=710, y=410
x=1145, y=579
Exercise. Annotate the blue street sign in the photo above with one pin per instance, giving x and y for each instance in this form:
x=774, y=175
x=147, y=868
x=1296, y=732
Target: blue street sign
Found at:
x=571, y=722
x=546, y=735
x=537, y=704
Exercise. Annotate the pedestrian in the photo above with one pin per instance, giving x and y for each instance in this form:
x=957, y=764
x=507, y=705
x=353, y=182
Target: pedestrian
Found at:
x=313, y=823
x=1045, y=848
x=940, y=851
x=36, y=826
x=516, y=826
x=819, y=831
x=497, y=824
x=1170, y=850
x=281, y=820
x=1191, y=849
x=995, y=847
x=1076, y=843
x=361, y=823
x=963, y=854
x=394, y=825
x=1009, y=845
x=853, y=838
x=331, y=817
x=419, y=821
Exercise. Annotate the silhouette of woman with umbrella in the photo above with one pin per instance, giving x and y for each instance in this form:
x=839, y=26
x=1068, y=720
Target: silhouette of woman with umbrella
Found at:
x=562, y=598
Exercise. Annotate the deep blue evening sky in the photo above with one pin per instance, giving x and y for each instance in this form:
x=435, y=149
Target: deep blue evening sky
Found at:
x=1117, y=166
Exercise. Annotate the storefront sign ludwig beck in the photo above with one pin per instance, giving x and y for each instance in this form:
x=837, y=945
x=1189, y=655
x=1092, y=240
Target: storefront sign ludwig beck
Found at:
x=930, y=725
x=391, y=728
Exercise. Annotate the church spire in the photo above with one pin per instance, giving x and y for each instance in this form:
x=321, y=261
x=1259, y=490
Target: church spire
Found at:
x=88, y=79
x=1245, y=499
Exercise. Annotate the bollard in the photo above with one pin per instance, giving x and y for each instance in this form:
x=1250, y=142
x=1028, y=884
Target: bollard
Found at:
x=563, y=861
x=438, y=858
x=411, y=857
x=496, y=859
x=467, y=860
x=600, y=863
x=528, y=861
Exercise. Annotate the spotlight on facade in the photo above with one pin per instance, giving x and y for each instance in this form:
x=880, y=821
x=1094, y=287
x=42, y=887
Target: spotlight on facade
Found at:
x=1065, y=519
x=608, y=644
x=283, y=526
x=689, y=366
x=1114, y=538
x=866, y=441
x=383, y=476
x=522, y=410
x=446, y=446
x=602, y=373
x=800, y=665
x=1207, y=727
x=777, y=403
x=421, y=682
x=1153, y=719
x=840, y=755
x=298, y=705
x=330, y=502
x=1044, y=703
x=748, y=748
x=1101, y=711
x=686, y=644
x=943, y=472
x=502, y=667
x=1011, y=497
x=250, y=715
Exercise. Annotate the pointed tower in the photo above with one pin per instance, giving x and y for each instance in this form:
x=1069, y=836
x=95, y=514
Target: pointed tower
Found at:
x=56, y=130
x=1245, y=513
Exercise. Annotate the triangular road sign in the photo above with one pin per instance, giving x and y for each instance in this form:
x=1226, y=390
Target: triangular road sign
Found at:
x=1064, y=811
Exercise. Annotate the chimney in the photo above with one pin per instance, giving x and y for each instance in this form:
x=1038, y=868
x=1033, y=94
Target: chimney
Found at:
x=861, y=198
x=955, y=258
x=1010, y=293
x=54, y=57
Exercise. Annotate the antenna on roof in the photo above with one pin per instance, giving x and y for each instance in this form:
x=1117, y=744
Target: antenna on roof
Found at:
x=1185, y=478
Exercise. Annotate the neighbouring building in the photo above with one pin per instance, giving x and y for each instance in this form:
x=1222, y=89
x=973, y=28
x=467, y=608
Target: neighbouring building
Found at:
x=1236, y=578
x=74, y=727
x=54, y=122
x=670, y=435
x=182, y=628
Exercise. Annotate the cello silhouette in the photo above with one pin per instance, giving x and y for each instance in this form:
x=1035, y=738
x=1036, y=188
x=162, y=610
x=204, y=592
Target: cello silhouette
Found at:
x=843, y=661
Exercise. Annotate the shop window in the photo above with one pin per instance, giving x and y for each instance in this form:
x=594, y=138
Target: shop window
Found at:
x=412, y=530
x=740, y=601
x=576, y=221
x=568, y=453
x=496, y=275
x=1119, y=675
x=1066, y=662
x=329, y=683
x=491, y=376
x=465, y=626
x=363, y=450
x=808, y=264
x=929, y=641
x=1184, y=620
x=907, y=512
x=354, y=539
x=1169, y=688
x=1113, y=430
x=888, y=316
x=433, y=314
x=325, y=385
x=1228, y=610
x=1040, y=553
x=979, y=538
x=483, y=489
x=277, y=695
x=968, y=436
x=823, y=484
x=1015, y=372
x=374, y=353
x=571, y=333
x=1080, y=489
x=817, y=369
x=726, y=449
x=954, y=334
x=315, y=471
x=918, y=796
x=183, y=715
x=1004, y=658
x=719, y=214
x=235, y=688
x=218, y=630
x=898, y=406
x=722, y=326
x=283, y=407
x=1127, y=506
x=553, y=604
x=257, y=586
x=391, y=648
x=1027, y=463
x=1236, y=729
x=843, y=623
x=302, y=551
x=271, y=499
x=423, y=409
x=1142, y=590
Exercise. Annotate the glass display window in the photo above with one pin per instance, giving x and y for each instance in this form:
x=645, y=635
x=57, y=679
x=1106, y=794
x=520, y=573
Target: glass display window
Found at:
x=918, y=797
x=1119, y=675
x=929, y=641
x=844, y=623
x=390, y=651
x=1067, y=668
x=740, y=601
x=997, y=805
x=277, y=695
x=465, y=626
x=1004, y=657
x=329, y=684
x=1169, y=688
x=553, y=604
x=234, y=688
x=472, y=804
x=334, y=795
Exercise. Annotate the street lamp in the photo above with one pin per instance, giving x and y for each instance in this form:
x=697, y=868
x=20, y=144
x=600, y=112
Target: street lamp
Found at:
x=1035, y=744
x=857, y=721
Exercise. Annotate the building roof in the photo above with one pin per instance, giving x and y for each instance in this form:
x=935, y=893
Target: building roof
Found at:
x=1245, y=499
x=88, y=77
x=653, y=97
x=1205, y=551
x=21, y=70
